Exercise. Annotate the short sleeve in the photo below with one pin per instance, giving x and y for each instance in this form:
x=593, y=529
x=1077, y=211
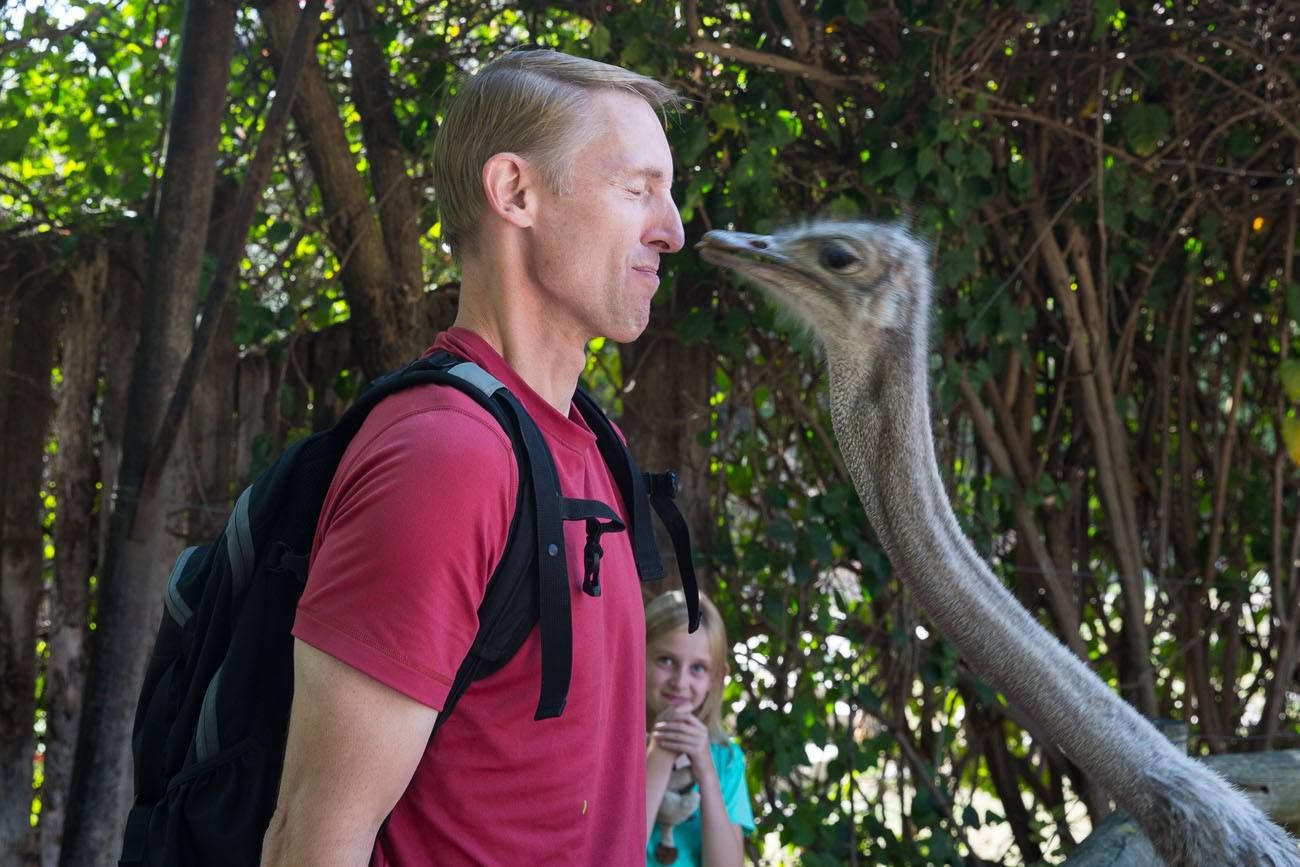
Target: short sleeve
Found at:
x=413, y=525
x=731, y=780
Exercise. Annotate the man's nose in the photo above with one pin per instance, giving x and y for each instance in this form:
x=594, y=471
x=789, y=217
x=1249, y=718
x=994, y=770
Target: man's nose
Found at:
x=667, y=233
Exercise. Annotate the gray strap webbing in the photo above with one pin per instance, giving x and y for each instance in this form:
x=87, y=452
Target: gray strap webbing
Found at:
x=207, y=740
x=477, y=377
x=177, y=607
x=239, y=544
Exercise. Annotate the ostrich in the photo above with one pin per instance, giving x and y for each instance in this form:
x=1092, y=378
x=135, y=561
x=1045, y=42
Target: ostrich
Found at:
x=863, y=290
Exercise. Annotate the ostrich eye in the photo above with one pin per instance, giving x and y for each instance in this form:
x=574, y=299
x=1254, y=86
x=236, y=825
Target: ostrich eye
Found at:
x=837, y=257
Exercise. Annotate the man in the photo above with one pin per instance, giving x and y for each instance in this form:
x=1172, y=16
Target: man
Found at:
x=553, y=177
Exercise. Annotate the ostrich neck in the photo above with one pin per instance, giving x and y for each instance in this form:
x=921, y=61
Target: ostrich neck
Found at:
x=881, y=417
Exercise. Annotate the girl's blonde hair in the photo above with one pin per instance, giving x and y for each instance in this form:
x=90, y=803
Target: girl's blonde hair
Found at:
x=666, y=614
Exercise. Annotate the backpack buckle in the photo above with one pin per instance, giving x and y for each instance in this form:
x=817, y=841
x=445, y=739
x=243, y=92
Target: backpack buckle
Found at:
x=600, y=519
x=283, y=559
x=592, y=552
x=665, y=484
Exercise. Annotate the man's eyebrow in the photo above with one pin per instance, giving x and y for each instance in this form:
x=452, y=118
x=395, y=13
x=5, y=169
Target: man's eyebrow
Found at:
x=647, y=172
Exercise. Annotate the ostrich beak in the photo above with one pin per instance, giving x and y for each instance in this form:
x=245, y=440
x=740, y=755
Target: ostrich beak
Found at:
x=738, y=249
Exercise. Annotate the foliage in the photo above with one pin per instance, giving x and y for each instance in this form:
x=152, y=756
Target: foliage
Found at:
x=1151, y=151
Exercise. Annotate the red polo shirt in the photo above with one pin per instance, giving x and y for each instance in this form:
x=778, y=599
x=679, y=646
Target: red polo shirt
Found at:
x=413, y=525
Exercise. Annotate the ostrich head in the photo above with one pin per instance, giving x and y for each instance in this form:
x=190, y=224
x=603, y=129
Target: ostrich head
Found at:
x=863, y=290
x=859, y=286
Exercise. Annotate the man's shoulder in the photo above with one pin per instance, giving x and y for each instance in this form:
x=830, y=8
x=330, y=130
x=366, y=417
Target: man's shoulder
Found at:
x=432, y=415
x=427, y=432
x=427, y=447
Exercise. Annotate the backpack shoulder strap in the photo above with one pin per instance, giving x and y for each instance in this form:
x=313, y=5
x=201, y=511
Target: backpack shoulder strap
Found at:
x=641, y=492
x=631, y=484
x=535, y=545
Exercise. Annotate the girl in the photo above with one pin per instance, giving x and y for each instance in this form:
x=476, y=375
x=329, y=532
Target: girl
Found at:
x=687, y=743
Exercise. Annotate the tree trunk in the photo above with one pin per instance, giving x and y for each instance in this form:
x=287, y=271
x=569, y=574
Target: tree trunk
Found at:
x=24, y=426
x=395, y=192
x=383, y=314
x=137, y=554
x=204, y=453
x=75, y=541
x=130, y=260
x=1110, y=444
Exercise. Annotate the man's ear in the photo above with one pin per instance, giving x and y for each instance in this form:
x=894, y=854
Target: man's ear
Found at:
x=508, y=184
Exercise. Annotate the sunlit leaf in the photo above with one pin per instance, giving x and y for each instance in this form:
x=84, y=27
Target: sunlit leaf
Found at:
x=1291, y=438
x=599, y=41
x=1290, y=374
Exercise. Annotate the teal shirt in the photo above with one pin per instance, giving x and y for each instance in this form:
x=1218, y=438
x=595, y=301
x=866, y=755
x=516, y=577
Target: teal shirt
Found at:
x=730, y=762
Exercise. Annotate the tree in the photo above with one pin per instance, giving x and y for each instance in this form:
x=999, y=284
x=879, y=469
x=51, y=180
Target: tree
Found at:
x=101, y=782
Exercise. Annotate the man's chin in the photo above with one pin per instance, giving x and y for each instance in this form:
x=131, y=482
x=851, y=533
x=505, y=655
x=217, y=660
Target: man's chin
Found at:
x=629, y=332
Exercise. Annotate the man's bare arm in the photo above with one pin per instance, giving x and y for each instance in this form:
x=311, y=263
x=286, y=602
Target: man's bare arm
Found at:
x=353, y=745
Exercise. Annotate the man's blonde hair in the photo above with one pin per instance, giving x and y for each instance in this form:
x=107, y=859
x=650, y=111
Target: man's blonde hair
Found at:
x=529, y=102
x=665, y=615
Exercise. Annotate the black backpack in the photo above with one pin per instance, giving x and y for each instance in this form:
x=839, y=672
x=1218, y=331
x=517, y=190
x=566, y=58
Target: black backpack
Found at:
x=213, y=714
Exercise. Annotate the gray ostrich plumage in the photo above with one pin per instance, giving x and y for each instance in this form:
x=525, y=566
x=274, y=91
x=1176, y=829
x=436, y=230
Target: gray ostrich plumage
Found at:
x=863, y=289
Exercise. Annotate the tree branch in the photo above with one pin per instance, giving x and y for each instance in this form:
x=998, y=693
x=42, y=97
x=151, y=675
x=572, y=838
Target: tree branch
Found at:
x=751, y=57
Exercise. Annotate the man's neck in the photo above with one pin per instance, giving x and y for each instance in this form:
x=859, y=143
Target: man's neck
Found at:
x=548, y=361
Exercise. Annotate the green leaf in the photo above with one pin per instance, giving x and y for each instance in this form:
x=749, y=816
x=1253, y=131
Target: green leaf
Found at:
x=843, y=207
x=868, y=698
x=637, y=50
x=785, y=127
x=1291, y=437
x=695, y=325
x=14, y=141
x=599, y=41
x=1293, y=301
x=946, y=184
x=695, y=142
x=980, y=162
x=279, y=232
x=856, y=10
x=834, y=500
x=820, y=542
x=1021, y=175
x=1144, y=127
x=1104, y=15
x=905, y=185
x=925, y=161
x=78, y=134
x=955, y=265
x=885, y=164
x=1290, y=373
x=724, y=116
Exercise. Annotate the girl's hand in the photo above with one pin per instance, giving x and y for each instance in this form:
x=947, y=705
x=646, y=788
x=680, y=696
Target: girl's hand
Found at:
x=657, y=743
x=680, y=732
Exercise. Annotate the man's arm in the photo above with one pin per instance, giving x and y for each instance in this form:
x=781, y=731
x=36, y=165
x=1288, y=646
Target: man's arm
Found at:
x=353, y=745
